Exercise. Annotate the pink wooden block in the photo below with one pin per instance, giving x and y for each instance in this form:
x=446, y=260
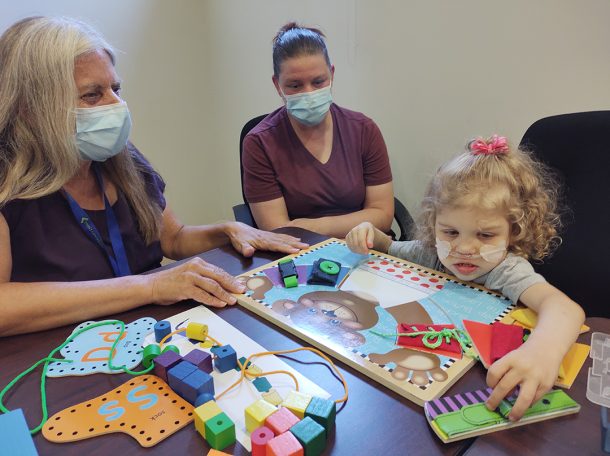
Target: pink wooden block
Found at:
x=281, y=421
x=259, y=438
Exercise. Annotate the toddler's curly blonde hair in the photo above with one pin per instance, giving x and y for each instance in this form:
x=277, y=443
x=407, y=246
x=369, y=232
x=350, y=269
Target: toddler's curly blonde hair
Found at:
x=509, y=179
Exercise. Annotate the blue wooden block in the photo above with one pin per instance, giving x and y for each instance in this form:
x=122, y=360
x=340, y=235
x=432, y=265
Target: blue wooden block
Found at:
x=226, y=358
x=178, y=373
x=15, y=437
x=261, y=384
x=201, y=359
x=196, y=383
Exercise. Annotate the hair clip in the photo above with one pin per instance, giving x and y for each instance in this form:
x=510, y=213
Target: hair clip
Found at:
x=493, y=146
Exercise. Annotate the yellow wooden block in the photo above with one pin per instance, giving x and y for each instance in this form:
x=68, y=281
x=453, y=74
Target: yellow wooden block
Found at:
x=197, y=331
x=297, y=403
x=273, y=397
x=571, y=365
x=203, y=413
x=257, y=413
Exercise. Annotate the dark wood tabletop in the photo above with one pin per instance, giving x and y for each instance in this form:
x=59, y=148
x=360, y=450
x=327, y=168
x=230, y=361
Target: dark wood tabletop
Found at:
x=373, y=421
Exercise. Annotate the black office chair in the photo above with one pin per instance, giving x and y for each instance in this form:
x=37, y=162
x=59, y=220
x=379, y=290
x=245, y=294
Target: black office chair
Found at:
x=242, y=212
x=577, y=146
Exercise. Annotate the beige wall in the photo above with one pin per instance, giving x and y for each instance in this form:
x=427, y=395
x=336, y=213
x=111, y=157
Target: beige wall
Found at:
x=432, y=74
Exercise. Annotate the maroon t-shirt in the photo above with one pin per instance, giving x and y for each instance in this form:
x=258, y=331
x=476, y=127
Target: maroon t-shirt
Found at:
x=47, y=244
x=277, y=164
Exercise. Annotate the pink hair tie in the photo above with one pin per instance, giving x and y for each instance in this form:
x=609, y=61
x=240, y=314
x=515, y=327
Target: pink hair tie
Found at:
x=492, y=146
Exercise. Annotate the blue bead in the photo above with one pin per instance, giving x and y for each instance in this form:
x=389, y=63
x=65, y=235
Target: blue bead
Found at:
x=162, y=329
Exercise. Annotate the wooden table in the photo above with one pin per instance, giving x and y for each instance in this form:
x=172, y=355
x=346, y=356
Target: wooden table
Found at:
x=578, y=434
x=374, y=420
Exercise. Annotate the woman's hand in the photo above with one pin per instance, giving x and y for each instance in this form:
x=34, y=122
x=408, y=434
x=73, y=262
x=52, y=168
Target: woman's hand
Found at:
x=534, y=369
x=364, y=237
x=246, y=240
x=197, y=280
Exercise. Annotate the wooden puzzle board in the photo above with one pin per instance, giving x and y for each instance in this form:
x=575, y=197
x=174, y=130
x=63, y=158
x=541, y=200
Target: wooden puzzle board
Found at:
x=234, y=402
x=374, y=293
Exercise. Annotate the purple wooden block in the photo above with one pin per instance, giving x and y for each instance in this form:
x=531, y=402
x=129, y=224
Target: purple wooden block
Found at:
x=165, y=362
x=201, y=359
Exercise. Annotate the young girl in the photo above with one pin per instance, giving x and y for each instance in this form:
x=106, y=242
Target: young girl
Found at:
x=485, y=213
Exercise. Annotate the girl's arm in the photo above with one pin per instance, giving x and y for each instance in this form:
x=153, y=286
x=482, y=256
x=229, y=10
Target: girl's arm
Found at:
x=535, y=365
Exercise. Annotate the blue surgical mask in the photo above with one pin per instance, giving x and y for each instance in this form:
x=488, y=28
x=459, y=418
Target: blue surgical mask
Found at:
x=309, y=108
x=102, y=132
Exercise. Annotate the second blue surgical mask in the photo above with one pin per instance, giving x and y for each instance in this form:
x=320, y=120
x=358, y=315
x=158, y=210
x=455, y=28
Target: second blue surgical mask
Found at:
x=103, y=131
x=309, y=108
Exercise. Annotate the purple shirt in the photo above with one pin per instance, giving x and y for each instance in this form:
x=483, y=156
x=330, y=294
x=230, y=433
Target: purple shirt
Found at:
x=276, y=164
x=47, y=244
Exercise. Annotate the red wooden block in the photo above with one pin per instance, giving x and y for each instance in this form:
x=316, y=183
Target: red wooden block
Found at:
x=259, y=438
x=281, y=421
x=504, y=339
x=284, y=444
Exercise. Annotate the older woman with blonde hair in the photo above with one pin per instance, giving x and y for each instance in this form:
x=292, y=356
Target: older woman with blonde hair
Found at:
x=82, y=211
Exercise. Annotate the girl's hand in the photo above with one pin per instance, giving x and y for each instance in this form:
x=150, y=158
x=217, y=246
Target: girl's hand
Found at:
x=246, y=240
x=364, y=237
x=197, y=280
x=533, y=368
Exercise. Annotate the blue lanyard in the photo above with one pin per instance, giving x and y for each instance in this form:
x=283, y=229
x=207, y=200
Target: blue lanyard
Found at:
x=119, y=262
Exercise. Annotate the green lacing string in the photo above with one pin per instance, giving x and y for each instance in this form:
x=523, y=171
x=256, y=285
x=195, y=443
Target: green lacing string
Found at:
x=433, y=338
x=49, y=359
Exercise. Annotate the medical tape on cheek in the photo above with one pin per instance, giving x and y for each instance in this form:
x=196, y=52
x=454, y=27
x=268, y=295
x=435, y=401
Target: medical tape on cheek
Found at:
x=443, y=248
x=489, y=253
x=492, y=253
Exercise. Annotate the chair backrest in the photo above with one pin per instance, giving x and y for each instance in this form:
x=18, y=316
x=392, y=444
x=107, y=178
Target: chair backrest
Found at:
x=244, y=131
x=576, y=145
x=242, y=211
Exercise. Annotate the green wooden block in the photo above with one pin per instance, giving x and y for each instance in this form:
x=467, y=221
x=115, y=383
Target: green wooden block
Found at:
x=220, y=431
x=311, y=435
x=323, y=412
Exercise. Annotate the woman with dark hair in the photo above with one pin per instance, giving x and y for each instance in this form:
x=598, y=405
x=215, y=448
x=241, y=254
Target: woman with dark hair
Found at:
x=311, y=163
x=81, y=209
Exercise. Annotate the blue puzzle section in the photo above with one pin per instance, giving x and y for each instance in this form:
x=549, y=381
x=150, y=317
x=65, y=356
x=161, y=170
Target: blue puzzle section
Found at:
x=456, y=302
x=15, y=437
x=90, y=350
x=334, y=251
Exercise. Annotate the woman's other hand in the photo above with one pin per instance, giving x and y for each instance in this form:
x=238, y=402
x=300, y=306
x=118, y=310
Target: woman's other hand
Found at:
x=246, y=240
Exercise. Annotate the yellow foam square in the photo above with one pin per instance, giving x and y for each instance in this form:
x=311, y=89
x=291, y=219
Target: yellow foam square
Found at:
x=297, y=403
x=273, y=397
x=203, y=413
x=257, y=413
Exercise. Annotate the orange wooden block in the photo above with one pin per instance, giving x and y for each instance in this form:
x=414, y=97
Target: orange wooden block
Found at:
x=284, y=444
x=281, y=421
x=214, y=452
x=144, y=407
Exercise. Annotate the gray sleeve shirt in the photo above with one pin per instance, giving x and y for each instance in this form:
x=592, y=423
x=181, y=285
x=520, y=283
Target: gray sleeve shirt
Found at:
x=511, y=277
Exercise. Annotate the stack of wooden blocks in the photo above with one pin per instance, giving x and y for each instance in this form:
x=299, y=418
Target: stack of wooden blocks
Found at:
x=300, y=425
